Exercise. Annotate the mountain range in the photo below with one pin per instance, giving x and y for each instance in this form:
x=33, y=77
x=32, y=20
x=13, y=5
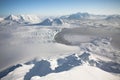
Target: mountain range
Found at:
x=37, y=20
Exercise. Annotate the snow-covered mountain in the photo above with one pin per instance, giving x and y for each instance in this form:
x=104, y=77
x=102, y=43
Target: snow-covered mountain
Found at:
x=113, y=18
x=51, y=22
x=10, y=20
x=46, y=22
x=78, y=19
x=57, y=21
x=91, y=20
x=24, y=18
x=12, y=17
x=30, y=18
x=79, y=16
x=20, y=20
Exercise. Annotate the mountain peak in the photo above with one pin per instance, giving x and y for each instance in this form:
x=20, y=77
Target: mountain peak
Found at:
x=113, y=17
x=47, y=22
x=79, y=15
x=11, y=17
x=57, y=21
x=50, y=22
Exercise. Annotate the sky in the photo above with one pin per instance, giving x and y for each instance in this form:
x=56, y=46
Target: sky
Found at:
x=58, y=7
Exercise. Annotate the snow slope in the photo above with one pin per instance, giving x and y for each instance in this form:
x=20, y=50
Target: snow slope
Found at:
x=89, y=62
x=79, y=73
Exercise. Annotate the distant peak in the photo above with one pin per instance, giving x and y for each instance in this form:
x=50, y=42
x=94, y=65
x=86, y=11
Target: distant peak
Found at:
x=11, y=17
x=82, y=13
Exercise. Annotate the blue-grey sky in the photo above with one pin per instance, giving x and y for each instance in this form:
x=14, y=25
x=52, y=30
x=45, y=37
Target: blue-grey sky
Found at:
x=58, y=7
